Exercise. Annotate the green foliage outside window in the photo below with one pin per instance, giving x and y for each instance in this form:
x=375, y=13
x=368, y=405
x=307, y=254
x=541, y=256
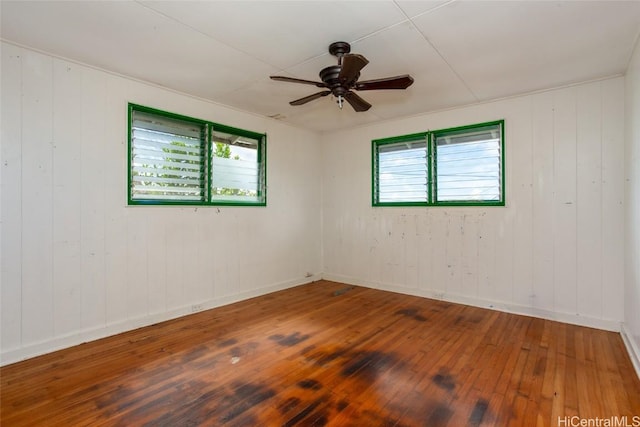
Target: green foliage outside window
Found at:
x=178, y=160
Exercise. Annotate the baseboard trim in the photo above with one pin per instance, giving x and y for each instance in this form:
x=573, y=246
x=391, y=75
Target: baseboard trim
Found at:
x=591, y=322
x=91, y=334
x=632, y=347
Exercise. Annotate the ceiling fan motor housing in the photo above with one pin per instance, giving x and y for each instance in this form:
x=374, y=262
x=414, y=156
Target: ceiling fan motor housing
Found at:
x=331, y=77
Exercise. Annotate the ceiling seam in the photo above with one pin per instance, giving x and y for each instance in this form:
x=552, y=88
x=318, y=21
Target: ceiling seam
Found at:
x=235, y=89
x=381, y=30
x=209, y=36
x=226, y=44
x=453, y=70
x=633, y=49
x=149, y=83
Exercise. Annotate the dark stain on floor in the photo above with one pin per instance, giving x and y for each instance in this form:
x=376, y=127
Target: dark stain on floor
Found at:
x=439, y=416
x=307, y=349
x=411, y=313
x=310, y=384
x=541, y=364
x=235, y=352
x=227, y=343
x=323, y=357
x=243, y=349
x=444, y=380
x=341, y=405
x=479, y=410
x=194, y=354
x=289, y=340
x=288, y=404
x=367, y=364
x=304, y=413
x=246, y=396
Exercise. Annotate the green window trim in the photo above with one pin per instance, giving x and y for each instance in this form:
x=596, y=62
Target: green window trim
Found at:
x=186, y=162
x=479, y=174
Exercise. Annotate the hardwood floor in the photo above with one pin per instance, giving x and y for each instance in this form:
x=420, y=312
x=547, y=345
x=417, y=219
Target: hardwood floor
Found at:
x=330, y=354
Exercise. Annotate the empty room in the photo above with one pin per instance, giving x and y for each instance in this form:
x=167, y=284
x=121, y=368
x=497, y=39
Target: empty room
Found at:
x=306, y=213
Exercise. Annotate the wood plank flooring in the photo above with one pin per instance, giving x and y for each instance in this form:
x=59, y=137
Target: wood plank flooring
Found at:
x=330, y=354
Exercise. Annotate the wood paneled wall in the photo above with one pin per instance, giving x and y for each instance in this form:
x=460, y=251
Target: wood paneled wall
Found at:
x=632, y=207
x=555, y=250
x=78, y=264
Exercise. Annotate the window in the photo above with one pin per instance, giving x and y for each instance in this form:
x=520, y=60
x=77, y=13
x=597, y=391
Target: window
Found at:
x=459, y=166
x=402, y=170
x=179, y=160
x=468, y=164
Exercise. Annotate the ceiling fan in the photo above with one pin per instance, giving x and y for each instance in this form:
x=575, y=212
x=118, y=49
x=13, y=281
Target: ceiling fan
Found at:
x=340, y=80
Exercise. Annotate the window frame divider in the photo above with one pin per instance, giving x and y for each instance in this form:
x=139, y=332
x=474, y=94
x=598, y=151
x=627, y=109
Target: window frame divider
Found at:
x=209, y=126
x=432, y=168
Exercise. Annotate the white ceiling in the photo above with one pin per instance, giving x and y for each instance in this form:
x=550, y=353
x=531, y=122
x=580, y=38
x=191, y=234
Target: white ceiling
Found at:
x=458, y=52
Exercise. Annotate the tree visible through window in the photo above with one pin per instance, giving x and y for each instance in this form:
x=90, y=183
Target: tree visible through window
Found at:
x=235, y=172
x=179, y=160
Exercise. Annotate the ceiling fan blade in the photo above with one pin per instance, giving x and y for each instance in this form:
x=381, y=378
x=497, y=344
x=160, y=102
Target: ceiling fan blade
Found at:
x=292, y=80
x=397, y=82
x=356, y=102
x=310, y=97
x=351, y=63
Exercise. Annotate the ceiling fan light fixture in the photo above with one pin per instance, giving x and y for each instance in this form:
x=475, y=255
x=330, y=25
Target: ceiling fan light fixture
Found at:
x=339, y=80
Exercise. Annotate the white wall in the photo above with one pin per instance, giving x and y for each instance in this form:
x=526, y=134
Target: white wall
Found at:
x=555, y=250
x=631, y=329
x=77, y=263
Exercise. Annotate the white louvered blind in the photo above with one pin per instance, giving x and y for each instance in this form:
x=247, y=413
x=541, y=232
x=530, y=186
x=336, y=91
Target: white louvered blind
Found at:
x=168, y=161
x=402, y=172
x=468, y=165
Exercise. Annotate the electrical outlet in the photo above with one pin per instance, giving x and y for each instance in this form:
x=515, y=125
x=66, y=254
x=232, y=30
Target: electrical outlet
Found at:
x=196, y=308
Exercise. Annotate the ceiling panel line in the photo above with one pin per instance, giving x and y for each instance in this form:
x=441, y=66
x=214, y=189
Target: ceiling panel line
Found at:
x=426, y=12
x=209, y=36
x=453, y=70
x=460, y=53
x=633, y=48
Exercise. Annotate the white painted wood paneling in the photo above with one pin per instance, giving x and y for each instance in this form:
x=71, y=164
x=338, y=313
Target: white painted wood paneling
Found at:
x=564, y=200
x=67, y=182
x=525, y=257
x=92, y=126
x=631, y=328
x=470, y=250
x=542, y=217
x=37, y=203
x=115, y=198
x=487, y=262
x=11, y=198
x=589, y=200
x=519, y=180
x=155, y=266
x=613, y=197
x=138, y=264
x=78, y=263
